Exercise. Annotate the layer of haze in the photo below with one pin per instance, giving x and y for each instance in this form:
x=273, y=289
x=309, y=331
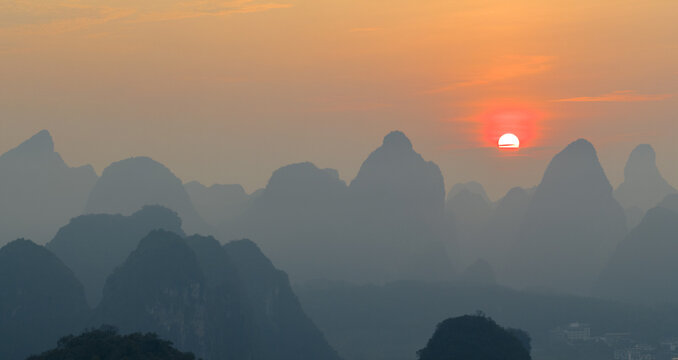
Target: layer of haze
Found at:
x=229, y=91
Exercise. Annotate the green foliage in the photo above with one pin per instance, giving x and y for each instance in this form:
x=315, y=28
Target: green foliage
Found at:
x=106, y=344
x=522, y=336
x=392, y=321
x=474, y=337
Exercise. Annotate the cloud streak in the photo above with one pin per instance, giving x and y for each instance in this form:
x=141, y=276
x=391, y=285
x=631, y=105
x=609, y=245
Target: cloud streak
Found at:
x=74, y=15
x=507, y=68
x=195, y=9
x=64, y=17
x=619, y=96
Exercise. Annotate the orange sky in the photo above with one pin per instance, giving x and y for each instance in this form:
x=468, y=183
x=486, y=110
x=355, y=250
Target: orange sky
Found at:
x=228, y=91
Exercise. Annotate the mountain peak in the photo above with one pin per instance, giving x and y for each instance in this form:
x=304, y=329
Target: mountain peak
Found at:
x=19, y=245
x=473, y=187
x=574, y=191
x=301, y=169
x=644, y=150
x=641, y=160
x=462, y=337
x=576, y=168
x=300, y=178
x=397, y=139
x=127, y=185
x=643, y=186
x=40, y=142
x=581, y=147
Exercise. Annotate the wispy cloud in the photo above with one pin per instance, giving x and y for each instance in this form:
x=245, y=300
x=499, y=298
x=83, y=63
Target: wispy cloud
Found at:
x=64, y=17
x=74, y=15
x=508, y=67
x=619, y=96
x=195, y=9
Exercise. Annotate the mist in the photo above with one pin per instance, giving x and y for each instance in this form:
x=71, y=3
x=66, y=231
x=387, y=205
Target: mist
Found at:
x=330, y=265
x=338, y=180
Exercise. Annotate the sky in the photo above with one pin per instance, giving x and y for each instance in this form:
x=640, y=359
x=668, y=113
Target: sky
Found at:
x=229, y=91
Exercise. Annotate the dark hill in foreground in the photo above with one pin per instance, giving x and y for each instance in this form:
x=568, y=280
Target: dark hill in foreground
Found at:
x=93, y=245
x=106, y=344
x=474, y=338
x=284, y=331
x=159, y=288
x=393, y=321
x=40, y=300
x=217, y=302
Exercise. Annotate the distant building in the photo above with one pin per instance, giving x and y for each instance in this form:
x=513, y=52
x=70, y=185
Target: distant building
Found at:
x=636, y=352
x=670, y=345
x=573, y=332
x=577, y=332
x=618, y=340
x=669, y=348
x=622, y=344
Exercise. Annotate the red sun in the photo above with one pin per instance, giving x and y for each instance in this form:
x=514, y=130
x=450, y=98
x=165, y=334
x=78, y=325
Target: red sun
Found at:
x=508, y=141
x=510, y=127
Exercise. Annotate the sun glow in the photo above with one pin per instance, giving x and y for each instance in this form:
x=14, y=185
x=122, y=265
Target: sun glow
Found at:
x=508, y=141
x=517, y=124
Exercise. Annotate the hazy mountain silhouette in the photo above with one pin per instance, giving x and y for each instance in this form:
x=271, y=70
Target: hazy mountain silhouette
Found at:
x=217, y=302
x=159, y=288
x=391, y=223
x=229, y=325
x=670, y=202
x=643, y=186
x=93, y=245
x=392, y=321
x=504, y=226
x=388, y=224
x=40, y=300
x=468, y=213
x=510, y=212
x=396, y=178
x=644, y=265
x=221, y=206
x=479, y=273
x=483, y=230
x=284, y=330
x=473, y=338
x=298, y=220
x=473, y=187
x=127, y=185
x=397, y=215
x=38, y=191
x=634, y=215
x=105, y=344
x=571, y=227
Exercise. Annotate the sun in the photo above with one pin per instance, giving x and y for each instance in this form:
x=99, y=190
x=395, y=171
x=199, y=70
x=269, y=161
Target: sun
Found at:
x=508, y=141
